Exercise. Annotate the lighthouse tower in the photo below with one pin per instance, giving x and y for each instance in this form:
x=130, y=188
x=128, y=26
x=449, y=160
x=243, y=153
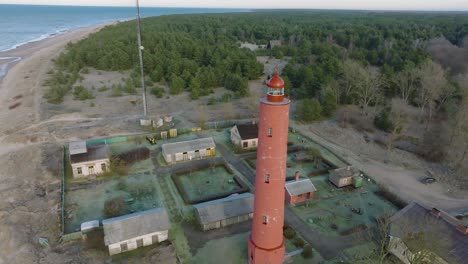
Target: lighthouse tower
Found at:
x=266, y=243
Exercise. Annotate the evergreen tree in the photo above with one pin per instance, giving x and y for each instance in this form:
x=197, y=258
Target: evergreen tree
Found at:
x=177, y=85
x=309, y=110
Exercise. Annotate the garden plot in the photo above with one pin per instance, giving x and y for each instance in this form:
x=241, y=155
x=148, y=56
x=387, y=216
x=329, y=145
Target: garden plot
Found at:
x=208, y=183
x=85, y=202
x=344, y=211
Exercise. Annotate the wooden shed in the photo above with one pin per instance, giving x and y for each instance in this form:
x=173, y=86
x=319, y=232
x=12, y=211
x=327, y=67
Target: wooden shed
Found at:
x=343, y=176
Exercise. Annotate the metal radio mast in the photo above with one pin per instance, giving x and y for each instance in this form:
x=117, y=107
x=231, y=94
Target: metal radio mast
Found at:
x=140, y=53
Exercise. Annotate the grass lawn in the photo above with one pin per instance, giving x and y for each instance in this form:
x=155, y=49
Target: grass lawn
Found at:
x=207, y=182
x=228, y=250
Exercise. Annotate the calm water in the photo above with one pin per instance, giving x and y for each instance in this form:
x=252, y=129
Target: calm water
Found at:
x=20, y=24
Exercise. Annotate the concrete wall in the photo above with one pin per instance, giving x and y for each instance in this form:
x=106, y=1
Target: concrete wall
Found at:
x=85, y=168
x=132, y=244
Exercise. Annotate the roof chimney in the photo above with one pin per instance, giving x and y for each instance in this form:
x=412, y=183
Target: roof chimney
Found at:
x=297, y=175
x=435, y=212
x=462, y=228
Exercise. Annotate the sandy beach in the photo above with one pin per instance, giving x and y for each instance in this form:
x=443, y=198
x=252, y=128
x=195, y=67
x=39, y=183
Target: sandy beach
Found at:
x=29, y=183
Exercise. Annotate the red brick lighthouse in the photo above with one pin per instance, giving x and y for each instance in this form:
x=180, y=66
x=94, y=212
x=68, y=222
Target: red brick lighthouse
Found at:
x=266, y=243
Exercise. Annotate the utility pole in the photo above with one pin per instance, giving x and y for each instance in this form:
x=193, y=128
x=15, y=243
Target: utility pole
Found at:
x=140, y=53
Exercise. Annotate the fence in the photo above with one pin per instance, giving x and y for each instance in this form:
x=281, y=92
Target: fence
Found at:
x=103, y=141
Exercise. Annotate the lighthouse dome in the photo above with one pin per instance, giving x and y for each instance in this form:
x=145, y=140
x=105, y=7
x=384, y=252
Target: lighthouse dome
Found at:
x=276, y=81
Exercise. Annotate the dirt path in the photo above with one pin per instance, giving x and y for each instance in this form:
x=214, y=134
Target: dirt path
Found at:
x=402, y=181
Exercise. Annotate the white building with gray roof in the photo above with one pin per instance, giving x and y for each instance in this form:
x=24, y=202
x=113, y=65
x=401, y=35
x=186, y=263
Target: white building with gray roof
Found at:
x=188, y=150
x=88, y=160
x=223, y=212
x=128, y=232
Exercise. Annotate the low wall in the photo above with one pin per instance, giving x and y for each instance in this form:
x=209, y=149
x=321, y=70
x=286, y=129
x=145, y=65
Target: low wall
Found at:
x=71, y=236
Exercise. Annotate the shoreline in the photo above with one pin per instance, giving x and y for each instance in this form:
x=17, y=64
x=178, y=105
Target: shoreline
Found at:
x=10, y=58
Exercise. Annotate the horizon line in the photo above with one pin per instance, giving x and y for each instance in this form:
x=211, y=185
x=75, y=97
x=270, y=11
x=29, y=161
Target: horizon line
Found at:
x=258, y=8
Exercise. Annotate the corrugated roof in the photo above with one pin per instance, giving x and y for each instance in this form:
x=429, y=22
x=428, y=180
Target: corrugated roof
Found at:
x=225, y=208
x=300, y=187
x=134, y=225
x=77, y=147
x=94, y=153
x=185, y=146
x=415, y=218
x=248, y=131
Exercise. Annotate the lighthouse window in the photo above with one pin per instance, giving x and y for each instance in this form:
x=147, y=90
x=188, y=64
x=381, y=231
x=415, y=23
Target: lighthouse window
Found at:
x=265, y=219
x=267, y=178
x=270, y=132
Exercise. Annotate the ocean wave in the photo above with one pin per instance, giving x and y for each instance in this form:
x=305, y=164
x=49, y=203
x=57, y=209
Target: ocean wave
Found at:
x=4, y=67
x=42, y=37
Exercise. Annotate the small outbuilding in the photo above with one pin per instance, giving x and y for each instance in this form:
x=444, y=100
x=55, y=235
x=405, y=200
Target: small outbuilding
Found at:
x=128, y=232
x=223, y=212
x=88, y=160
x=345, y=176
x=299, y=190
x=245, y=136
x=188, y=150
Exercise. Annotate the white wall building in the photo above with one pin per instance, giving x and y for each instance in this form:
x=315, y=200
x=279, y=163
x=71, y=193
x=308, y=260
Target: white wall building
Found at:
x=128, y=232
x=86, y=160
x=188, y=150
x=245, y=136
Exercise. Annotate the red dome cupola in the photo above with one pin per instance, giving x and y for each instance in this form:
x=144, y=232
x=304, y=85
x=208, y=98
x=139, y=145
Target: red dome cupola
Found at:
x=275, y=88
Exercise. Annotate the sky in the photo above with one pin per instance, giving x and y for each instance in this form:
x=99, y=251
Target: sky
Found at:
x=452, y=5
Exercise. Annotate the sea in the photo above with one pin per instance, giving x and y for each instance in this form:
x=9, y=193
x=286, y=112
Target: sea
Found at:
x=21, y=24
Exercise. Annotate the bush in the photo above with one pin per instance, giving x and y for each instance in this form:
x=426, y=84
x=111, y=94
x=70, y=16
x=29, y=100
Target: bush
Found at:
x=289, y=233
x=81, y=93
x=212, y=100
x=226, y=97
x=134, y=155
x=115, y=207
x=383, y=121
x=307, y=251
x=329, y=103
x=299, y=242
x=103, y=88
x=158, y=92
x=117, y=166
